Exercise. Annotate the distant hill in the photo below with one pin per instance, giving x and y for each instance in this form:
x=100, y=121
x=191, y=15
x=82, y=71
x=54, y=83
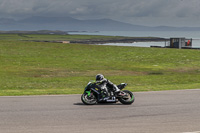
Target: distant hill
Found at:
x=71, y=24
x=168, y=28
x=57, y=32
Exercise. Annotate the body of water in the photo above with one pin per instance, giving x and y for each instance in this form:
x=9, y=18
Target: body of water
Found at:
x=195, y=35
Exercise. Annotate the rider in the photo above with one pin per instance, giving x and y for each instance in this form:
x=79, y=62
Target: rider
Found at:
x=103, y=82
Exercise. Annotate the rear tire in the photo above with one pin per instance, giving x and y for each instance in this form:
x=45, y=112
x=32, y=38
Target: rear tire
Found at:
x=88, y=100
x=128, y=99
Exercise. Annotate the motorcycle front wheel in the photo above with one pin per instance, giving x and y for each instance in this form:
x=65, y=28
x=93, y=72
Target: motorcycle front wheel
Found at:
x=129, y=98
x=88, y=99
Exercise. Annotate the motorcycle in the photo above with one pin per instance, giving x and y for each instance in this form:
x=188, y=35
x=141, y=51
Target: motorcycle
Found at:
x=94, y=94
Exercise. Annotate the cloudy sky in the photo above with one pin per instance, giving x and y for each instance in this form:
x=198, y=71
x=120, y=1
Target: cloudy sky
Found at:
x=142, y=12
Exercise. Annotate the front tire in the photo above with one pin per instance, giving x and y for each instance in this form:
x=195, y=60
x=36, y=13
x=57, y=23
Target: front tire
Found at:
x=88, y=99
x=129, y=98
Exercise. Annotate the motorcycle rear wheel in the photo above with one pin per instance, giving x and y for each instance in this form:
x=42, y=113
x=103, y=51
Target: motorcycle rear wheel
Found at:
x=129, y=98
x=88, y=99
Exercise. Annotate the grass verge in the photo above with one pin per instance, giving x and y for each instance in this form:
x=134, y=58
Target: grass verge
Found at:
x=39, y=68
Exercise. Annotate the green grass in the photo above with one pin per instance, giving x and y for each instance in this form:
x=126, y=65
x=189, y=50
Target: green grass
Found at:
x=34, y=37
x=49, y=37
x=37, y=68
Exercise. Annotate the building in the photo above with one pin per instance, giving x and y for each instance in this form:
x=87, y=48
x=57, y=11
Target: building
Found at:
x=180, y=43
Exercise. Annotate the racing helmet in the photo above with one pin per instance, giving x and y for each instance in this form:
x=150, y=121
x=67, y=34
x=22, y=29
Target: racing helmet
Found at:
x=99, y=77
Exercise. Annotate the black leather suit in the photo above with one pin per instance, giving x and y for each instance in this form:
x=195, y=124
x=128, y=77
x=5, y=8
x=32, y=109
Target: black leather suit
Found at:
x=107, y=84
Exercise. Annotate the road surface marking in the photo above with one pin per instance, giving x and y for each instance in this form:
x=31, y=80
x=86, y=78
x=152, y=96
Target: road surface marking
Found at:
x=192, y=132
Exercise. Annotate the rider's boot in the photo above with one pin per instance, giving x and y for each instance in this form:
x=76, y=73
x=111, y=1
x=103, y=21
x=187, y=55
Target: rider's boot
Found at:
x=120, y=93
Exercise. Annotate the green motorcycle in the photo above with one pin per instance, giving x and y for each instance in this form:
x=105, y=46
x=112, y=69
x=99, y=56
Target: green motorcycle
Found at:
x=93, y=94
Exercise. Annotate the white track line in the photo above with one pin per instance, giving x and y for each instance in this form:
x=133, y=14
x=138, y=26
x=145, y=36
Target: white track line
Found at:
x=192, y=132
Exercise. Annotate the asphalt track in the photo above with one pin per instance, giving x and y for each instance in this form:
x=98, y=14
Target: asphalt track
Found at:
x=152, y=112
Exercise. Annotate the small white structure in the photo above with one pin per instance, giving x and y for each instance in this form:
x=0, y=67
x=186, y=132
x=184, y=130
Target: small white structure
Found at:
x=180, y=43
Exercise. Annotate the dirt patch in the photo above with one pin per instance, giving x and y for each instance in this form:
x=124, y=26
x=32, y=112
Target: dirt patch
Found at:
x=185, y=70
x=49, y=73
